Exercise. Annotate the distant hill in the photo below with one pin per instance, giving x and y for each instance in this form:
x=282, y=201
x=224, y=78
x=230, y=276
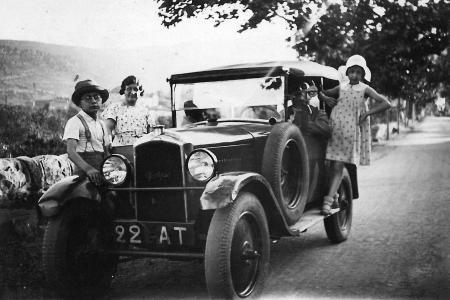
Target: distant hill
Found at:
x=37, y=71
x=27, y=72
x=33, y=70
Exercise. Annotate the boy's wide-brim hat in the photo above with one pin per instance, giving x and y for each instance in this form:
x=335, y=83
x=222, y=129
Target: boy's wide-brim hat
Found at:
x=88, y=86
x=358, y=60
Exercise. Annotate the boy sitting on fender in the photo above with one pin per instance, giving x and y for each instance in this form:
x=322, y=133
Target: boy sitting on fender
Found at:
x=85, y=135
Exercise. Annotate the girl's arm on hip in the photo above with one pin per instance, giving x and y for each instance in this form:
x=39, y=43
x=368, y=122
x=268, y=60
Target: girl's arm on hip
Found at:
x=382, y=103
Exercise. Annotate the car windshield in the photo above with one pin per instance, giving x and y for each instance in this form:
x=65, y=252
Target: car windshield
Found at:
x=253, y=98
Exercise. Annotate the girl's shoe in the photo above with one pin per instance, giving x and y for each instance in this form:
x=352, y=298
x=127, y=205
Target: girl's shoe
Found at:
x=336, y=201
x=326, y=207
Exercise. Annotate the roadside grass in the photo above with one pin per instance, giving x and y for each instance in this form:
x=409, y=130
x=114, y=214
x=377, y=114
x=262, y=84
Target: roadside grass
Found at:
x=20, y=261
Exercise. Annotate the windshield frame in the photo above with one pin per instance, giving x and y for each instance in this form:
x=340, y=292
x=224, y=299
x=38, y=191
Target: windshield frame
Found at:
x=175, y=111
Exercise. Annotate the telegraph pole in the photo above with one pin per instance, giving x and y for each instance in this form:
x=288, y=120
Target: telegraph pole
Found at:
x=388, y=118
x=398, y=116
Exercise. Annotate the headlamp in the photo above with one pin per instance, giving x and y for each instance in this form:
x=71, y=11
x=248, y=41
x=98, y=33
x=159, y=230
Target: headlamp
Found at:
x=116, y=169
x=201, y=164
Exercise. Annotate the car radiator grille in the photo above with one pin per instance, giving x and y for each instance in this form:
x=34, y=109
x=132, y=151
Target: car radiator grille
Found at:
x=159, y=164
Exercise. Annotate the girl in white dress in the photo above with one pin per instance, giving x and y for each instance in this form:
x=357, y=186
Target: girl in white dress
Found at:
x=350, y=138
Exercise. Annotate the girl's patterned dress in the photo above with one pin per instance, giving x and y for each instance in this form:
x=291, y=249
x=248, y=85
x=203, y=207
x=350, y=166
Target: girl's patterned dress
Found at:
x=350, y=143
x=131, y=122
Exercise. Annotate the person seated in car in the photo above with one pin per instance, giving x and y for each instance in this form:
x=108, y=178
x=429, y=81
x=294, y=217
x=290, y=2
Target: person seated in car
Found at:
x=305, y=113
x=192, y=113
x=307, y=116
x=316, y=130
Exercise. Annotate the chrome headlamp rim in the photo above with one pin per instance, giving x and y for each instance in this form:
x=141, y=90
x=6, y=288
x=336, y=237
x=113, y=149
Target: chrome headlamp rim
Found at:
x=213, y=158
x=128, y=168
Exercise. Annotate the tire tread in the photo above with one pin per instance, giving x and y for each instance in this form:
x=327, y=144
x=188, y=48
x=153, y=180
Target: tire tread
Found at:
x=217, y=252
x=271, y=166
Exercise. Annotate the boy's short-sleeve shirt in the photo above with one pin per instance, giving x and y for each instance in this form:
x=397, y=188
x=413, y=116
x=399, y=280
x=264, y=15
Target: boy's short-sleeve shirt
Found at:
x=75, y=130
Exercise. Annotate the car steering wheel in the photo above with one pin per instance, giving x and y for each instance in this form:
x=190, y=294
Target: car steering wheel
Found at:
x=270, y=112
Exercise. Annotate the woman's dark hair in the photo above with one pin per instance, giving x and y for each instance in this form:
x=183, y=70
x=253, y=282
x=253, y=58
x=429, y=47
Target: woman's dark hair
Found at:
x=131, y=80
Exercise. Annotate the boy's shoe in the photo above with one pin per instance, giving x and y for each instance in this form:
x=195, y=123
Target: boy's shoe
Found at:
x=326, y=207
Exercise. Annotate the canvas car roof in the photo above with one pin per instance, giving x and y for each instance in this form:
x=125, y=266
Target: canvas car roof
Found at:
x=263, y=69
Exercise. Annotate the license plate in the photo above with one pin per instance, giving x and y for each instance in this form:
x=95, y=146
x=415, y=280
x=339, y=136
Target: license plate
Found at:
x=147, y=233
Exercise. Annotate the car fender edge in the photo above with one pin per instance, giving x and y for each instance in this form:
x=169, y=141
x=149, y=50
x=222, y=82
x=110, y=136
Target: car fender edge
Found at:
x=54, y=199
x=224, y=189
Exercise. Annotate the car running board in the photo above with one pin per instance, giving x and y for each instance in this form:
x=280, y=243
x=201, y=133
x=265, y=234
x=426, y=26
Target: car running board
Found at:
x=308, y=219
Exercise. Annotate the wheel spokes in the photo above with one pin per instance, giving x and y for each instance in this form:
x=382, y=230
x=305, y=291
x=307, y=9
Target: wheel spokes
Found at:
x=290, y=186
x=343, y=215
x=245, y=255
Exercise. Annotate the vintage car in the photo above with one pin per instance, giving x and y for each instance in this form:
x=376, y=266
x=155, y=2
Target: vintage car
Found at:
x=232, y=175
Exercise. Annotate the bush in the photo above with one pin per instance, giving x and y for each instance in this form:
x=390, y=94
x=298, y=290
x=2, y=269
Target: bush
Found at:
x=24, y=131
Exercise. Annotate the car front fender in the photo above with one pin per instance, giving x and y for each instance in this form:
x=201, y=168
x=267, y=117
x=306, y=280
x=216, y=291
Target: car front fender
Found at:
x=69, y=188
x=224, y=189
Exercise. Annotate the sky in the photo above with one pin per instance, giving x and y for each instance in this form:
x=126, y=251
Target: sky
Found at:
x=122, y=24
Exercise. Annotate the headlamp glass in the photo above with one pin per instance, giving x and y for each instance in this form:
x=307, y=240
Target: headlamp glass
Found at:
x=201, y=165
x=115, y=170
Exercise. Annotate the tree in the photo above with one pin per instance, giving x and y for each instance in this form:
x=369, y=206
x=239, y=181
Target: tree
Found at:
x=405, y=42
x=296, y=13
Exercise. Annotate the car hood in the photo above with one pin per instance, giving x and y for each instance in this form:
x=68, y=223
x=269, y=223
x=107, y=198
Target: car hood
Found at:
x=222, y=134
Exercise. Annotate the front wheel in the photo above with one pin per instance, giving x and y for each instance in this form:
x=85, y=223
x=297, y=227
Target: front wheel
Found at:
x=339, y=224
x=74, y=251
x=237, y=249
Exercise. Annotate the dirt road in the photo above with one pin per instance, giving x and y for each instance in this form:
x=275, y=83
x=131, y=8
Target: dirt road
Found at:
x=398, y=248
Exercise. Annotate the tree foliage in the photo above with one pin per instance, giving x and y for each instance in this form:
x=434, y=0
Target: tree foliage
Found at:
x=294, y=12
x=405, y=43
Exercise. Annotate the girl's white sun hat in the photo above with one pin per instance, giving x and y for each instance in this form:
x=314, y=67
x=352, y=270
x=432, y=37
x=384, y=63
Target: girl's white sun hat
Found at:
x=358, y=60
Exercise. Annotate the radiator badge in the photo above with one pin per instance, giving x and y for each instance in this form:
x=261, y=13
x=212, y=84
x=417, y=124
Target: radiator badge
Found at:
x=157, y=176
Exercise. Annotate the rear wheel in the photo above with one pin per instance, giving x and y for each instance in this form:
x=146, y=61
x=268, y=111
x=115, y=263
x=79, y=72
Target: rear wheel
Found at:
x=285, y=166
x=74, y=251
x=339, y=224
x=237, y=249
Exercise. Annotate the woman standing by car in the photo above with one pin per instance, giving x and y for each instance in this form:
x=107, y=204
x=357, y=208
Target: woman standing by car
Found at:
x=346, y=144
x=128, y=121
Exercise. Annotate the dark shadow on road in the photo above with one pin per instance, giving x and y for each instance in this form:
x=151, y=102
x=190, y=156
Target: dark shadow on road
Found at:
x=159, y=279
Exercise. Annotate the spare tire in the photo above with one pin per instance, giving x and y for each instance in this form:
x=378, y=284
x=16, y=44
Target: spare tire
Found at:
x=285, y=166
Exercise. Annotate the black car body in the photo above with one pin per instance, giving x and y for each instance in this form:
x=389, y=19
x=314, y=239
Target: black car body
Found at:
x=174, y=192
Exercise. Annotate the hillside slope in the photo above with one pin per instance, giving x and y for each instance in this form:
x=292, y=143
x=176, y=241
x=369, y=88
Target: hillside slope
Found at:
x=36, y=71
x=27, y=73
